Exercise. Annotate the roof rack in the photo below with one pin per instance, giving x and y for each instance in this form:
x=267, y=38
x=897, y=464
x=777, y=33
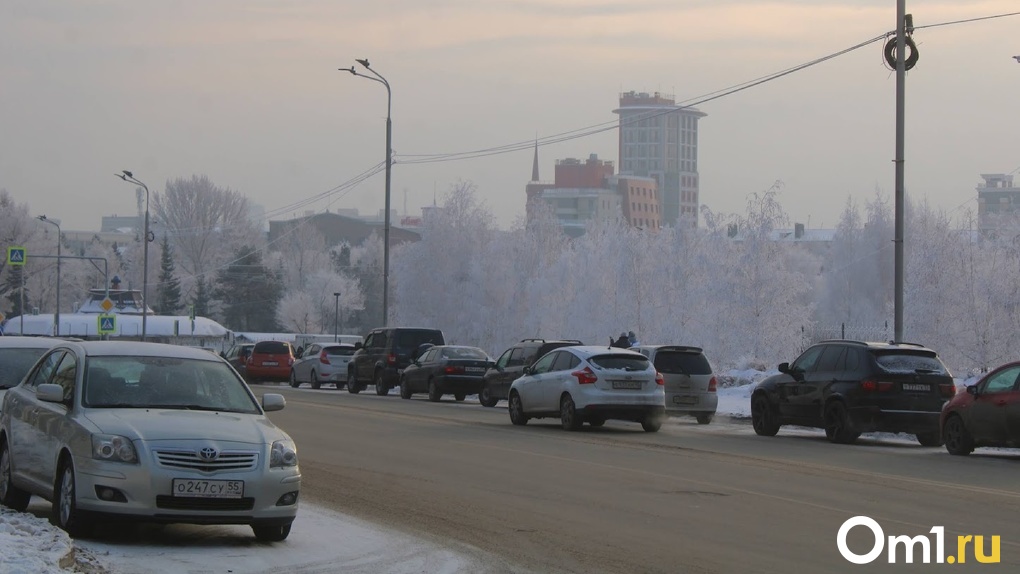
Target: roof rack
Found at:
x=842, y=341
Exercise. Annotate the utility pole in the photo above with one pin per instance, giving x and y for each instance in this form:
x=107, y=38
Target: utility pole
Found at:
x=901, y=78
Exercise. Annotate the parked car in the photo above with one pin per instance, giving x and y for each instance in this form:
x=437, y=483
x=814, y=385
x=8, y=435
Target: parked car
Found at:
x=443, y=370
x=237, y=356
x=269, y=361
x=690, y=384
x=589, y=384
x=146, y=432
x=850, y=387
x=17, y=355
x=510, y=365
x=322, y=363
x=385, y=354
x=988, y=414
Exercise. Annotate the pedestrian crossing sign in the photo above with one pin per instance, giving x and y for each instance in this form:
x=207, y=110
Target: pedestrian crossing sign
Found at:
x=107, y=324
x=16, y=256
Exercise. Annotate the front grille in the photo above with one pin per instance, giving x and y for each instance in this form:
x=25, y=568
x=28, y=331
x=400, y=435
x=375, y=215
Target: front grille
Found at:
x=212, y=504
x=226, y=461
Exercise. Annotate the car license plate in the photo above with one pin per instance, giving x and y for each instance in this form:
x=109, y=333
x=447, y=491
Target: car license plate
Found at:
x=916, y=387
x=685, y=400
x=269, y=363
x=630, y=385
x=474, y=370
x=195, y=488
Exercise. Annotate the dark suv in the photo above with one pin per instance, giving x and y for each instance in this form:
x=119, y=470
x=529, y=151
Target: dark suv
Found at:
x=385, y=354
x=510, y=366
x=850, y=387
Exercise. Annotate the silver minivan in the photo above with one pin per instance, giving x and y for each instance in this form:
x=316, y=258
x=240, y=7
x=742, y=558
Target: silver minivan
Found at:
x=690, y=384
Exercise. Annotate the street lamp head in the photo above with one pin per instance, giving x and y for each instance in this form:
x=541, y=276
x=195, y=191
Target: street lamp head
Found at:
x=363, y=61
x=128, y=173
x=351, y=70
x=41, y=217
x=336, y=294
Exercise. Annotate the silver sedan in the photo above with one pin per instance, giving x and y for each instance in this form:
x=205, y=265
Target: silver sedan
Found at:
x=109, y=430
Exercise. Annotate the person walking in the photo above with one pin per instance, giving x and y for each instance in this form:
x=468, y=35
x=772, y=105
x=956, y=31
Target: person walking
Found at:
x=632, y=338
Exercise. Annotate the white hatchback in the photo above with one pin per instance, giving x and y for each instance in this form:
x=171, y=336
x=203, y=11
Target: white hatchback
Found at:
x=110, y=430
x=589, y=384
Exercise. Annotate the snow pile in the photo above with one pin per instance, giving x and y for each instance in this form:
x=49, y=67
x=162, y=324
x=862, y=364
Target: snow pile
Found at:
x=32, y=545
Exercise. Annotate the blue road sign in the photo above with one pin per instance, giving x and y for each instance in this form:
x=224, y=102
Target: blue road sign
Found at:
x=16, y=255
x=107, y=324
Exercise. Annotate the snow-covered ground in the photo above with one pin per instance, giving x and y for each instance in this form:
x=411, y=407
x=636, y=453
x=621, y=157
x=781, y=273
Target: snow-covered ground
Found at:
x=29, y=544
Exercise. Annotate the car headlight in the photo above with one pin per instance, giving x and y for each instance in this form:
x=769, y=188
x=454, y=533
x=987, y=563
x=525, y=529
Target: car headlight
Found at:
x=113, y=448
x=284, y=454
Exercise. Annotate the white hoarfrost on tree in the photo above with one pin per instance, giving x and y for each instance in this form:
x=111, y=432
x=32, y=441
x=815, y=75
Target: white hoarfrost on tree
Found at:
x=313, y=308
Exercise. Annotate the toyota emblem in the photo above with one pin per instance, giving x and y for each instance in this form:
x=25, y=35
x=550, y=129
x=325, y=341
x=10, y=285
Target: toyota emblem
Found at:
x=208, y=454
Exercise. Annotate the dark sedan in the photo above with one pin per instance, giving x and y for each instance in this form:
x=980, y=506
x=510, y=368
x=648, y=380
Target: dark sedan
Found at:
x=445, y=369
x=988, y=414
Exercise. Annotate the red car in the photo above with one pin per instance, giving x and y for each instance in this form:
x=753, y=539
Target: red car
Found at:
x=269, y=361
x=988, y=414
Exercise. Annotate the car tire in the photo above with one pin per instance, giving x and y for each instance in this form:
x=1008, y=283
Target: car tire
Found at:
x=763, y=416
x=568, y=414
x=651, y=423
x=838, y=428
x=460, y=396
x=516, y=409
x=352, y=382
x=380, y=387
x=271, y=532
x=293, y=380
x=65, y=505
x=10, y=496
x=405, y=391
x=485, y=397
x=596, y=421
x=705, y=418
x=933, y=438
x=315, y=380
x=957, y=438
x=434, y=394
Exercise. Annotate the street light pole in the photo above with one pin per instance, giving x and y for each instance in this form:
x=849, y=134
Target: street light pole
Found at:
x=377, y=77
x=56, y=314
x=336, y=316
x=130, y=178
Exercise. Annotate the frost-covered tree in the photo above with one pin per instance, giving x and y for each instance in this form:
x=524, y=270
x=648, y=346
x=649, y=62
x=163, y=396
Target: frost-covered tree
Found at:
x=168, y=290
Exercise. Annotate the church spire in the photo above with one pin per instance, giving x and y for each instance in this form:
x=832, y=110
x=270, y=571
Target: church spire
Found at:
x=534, y=166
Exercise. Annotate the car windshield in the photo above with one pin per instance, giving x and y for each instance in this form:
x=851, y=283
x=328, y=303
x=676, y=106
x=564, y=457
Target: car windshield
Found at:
x=15, y=362
x=414, y=339
x=682, y=363
x=164, y=382
x=339, y=351
x=620, y=362
x=272, y=348
x=901, y=362
x=464, y=353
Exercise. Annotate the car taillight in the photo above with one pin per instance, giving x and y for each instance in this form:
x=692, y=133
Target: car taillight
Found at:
x=712, y=384
x=453, y=370
x=660, y=380
x=391, y=359
x=585, y=376
x=324, y=358
x=947, y=390
x=872, y=386
x=290, y=361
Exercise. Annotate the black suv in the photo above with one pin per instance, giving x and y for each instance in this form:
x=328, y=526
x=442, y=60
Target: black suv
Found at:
x=850, y=387
x=385, y=354
x=510, y=366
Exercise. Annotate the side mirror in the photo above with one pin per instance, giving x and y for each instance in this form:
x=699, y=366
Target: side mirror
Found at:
x=50, y=393
x=784, y=367
x=223, y=354
x=528, y=370
x=273, y=402
x=357, y=345
x=973, y=390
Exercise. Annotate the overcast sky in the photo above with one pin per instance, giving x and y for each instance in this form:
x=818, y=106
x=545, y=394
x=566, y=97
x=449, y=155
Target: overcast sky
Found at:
x=248, y=93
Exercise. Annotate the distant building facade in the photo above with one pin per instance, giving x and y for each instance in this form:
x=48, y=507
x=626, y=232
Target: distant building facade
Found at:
x=337, y=229
x=659, y=139
x=998, y=203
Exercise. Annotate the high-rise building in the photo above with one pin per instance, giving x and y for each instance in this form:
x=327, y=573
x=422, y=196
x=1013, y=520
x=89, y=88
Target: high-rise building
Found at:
x=659, y=139
x=998, y=203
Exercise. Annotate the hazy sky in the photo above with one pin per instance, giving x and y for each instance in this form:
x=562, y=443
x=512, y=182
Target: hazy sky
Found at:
x=248, y=93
